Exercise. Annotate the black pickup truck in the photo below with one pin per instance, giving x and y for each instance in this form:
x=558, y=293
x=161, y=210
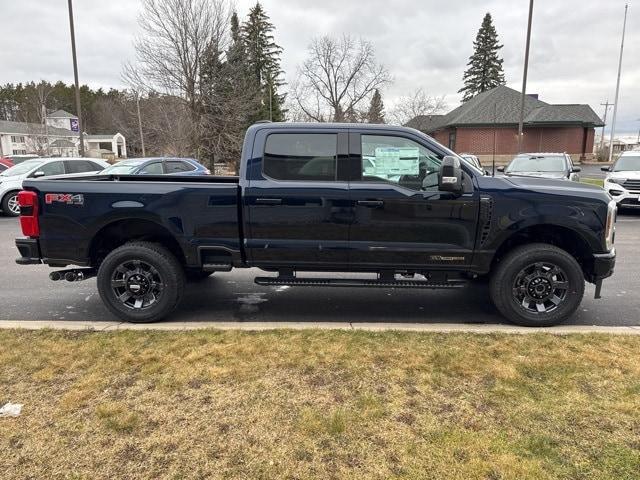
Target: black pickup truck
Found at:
x=389, y=201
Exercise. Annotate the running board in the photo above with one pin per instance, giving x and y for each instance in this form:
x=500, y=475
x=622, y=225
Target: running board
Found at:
x=345, y=282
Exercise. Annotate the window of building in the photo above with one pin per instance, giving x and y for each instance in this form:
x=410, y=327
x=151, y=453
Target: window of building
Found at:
x=17, y=139
x=452, y=140
x=19, y=152
x=399, y=161
x=176, y=166
x=301, y=156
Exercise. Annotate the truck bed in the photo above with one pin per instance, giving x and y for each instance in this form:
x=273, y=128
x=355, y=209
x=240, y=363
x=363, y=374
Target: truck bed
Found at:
x=197, y=211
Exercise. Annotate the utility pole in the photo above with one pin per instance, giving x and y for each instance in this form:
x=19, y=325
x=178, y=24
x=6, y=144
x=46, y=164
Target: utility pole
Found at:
x=75, y=75
x=524, y=78
x=140, y=124
x=604, y=120
x=615, y=102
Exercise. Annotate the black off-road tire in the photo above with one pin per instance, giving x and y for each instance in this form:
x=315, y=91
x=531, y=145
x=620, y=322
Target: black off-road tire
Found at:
x=169, y=271
x=509, y=270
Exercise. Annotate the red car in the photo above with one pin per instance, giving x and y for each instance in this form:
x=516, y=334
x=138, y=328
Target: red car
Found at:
x=5, y=163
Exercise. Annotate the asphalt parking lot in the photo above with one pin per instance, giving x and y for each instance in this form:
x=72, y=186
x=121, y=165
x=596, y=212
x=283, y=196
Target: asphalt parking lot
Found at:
x=26, y=293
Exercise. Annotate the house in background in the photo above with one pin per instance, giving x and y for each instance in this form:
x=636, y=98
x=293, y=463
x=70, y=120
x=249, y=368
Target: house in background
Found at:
x=59, y=137
x=487, y=126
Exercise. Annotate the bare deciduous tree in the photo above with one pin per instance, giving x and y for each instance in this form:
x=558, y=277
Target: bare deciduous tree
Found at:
x=336, y=77
x=416, y=104
x=175, y=36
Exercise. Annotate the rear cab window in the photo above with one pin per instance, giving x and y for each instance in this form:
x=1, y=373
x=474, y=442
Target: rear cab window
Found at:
x=301, y=156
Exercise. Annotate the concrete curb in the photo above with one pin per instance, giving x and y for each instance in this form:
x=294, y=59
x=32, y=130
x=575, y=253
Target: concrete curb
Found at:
x=261, y=326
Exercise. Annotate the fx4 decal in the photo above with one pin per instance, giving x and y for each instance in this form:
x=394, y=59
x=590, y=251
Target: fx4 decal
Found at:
x=66, y=198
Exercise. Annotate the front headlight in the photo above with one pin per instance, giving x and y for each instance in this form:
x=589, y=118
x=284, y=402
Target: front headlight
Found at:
x=611, y=220
x=619, y=181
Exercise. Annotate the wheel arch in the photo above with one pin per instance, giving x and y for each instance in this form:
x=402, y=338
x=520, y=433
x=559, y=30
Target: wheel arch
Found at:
x=119, y=232
x=566, y=238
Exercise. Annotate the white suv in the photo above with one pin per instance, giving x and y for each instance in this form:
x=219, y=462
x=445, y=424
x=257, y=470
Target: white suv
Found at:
x=623, y=180
x=11, y=179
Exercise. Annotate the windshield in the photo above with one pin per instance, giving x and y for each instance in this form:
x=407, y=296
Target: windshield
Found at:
x=121, y=168
x=626, y=164
x=537, y=164
x=24, y=167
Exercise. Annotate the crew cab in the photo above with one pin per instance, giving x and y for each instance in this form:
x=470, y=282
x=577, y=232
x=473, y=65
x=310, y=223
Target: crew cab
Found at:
x=388, y=201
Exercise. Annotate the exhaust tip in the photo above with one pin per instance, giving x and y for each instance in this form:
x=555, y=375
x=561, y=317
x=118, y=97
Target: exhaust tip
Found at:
x=70, y=276
x=55, y=276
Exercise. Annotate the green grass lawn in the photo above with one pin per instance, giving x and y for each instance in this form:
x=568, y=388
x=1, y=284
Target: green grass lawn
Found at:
x=319, y=404
x=593, y=181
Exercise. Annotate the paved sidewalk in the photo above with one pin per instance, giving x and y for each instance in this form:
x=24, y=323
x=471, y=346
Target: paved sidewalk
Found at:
x=258, y=326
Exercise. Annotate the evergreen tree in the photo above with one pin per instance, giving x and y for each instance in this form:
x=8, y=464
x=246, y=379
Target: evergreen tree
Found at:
x=263, y=58
x=376, y=108
x=229, y=97
x=484, y=70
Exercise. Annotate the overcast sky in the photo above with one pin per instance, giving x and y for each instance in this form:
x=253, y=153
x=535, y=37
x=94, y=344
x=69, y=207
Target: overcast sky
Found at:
x=423, y=43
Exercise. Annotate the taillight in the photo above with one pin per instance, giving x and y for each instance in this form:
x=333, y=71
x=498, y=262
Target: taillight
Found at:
x=28, y=202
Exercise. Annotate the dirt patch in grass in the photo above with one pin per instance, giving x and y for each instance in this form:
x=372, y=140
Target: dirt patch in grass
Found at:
x=319, y=404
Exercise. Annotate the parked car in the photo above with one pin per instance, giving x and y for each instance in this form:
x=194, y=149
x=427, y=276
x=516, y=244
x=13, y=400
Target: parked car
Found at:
x=11, y=179
x=157, y=166
x=623, y=180
x=472, y=159
x=5, y=163
x=545, y=165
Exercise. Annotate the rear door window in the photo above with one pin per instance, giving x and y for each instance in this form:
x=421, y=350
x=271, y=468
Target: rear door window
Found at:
x=301, y=156
x=80, y=166
x=176, y=166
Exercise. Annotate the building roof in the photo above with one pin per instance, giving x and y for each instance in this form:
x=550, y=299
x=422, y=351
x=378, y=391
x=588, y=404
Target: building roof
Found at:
x=501, y=105
x=23, y=128
x=61, y=114
x=100, y=137
x=62, y=143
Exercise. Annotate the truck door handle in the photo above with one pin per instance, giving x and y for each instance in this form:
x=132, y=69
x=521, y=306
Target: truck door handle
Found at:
x=370, y=203
x=268, y=201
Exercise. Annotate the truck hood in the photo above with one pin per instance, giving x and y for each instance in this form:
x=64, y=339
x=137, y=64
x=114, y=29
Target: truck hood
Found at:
x=559, y=187
x=633, y=175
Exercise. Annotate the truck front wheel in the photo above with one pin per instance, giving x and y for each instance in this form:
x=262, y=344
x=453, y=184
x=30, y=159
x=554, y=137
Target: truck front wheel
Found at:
x=537, y=285
x=141, y=282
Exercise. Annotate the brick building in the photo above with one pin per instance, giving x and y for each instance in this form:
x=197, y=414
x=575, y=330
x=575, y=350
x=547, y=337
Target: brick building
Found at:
x=487, y=126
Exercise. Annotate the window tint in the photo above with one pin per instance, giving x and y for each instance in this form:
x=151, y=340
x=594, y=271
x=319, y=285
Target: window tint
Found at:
x=399, y=161
x=154, y=168
x=176, y=166
x=52, y=168
x=80, y=166
x=301, y=156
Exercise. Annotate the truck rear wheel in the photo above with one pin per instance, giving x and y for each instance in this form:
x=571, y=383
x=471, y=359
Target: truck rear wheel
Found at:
x=537, y=285
x=141, y=282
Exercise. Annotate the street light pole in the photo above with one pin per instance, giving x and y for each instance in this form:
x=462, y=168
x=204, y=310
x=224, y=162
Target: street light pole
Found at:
x=75, y=75
x=524, y=79
x=615, y=102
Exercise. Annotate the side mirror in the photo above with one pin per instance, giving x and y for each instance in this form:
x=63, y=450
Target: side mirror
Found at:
x=38, y=174
x=576, y=170
x=605, y=169
x=450, y=175
x=500, y=169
